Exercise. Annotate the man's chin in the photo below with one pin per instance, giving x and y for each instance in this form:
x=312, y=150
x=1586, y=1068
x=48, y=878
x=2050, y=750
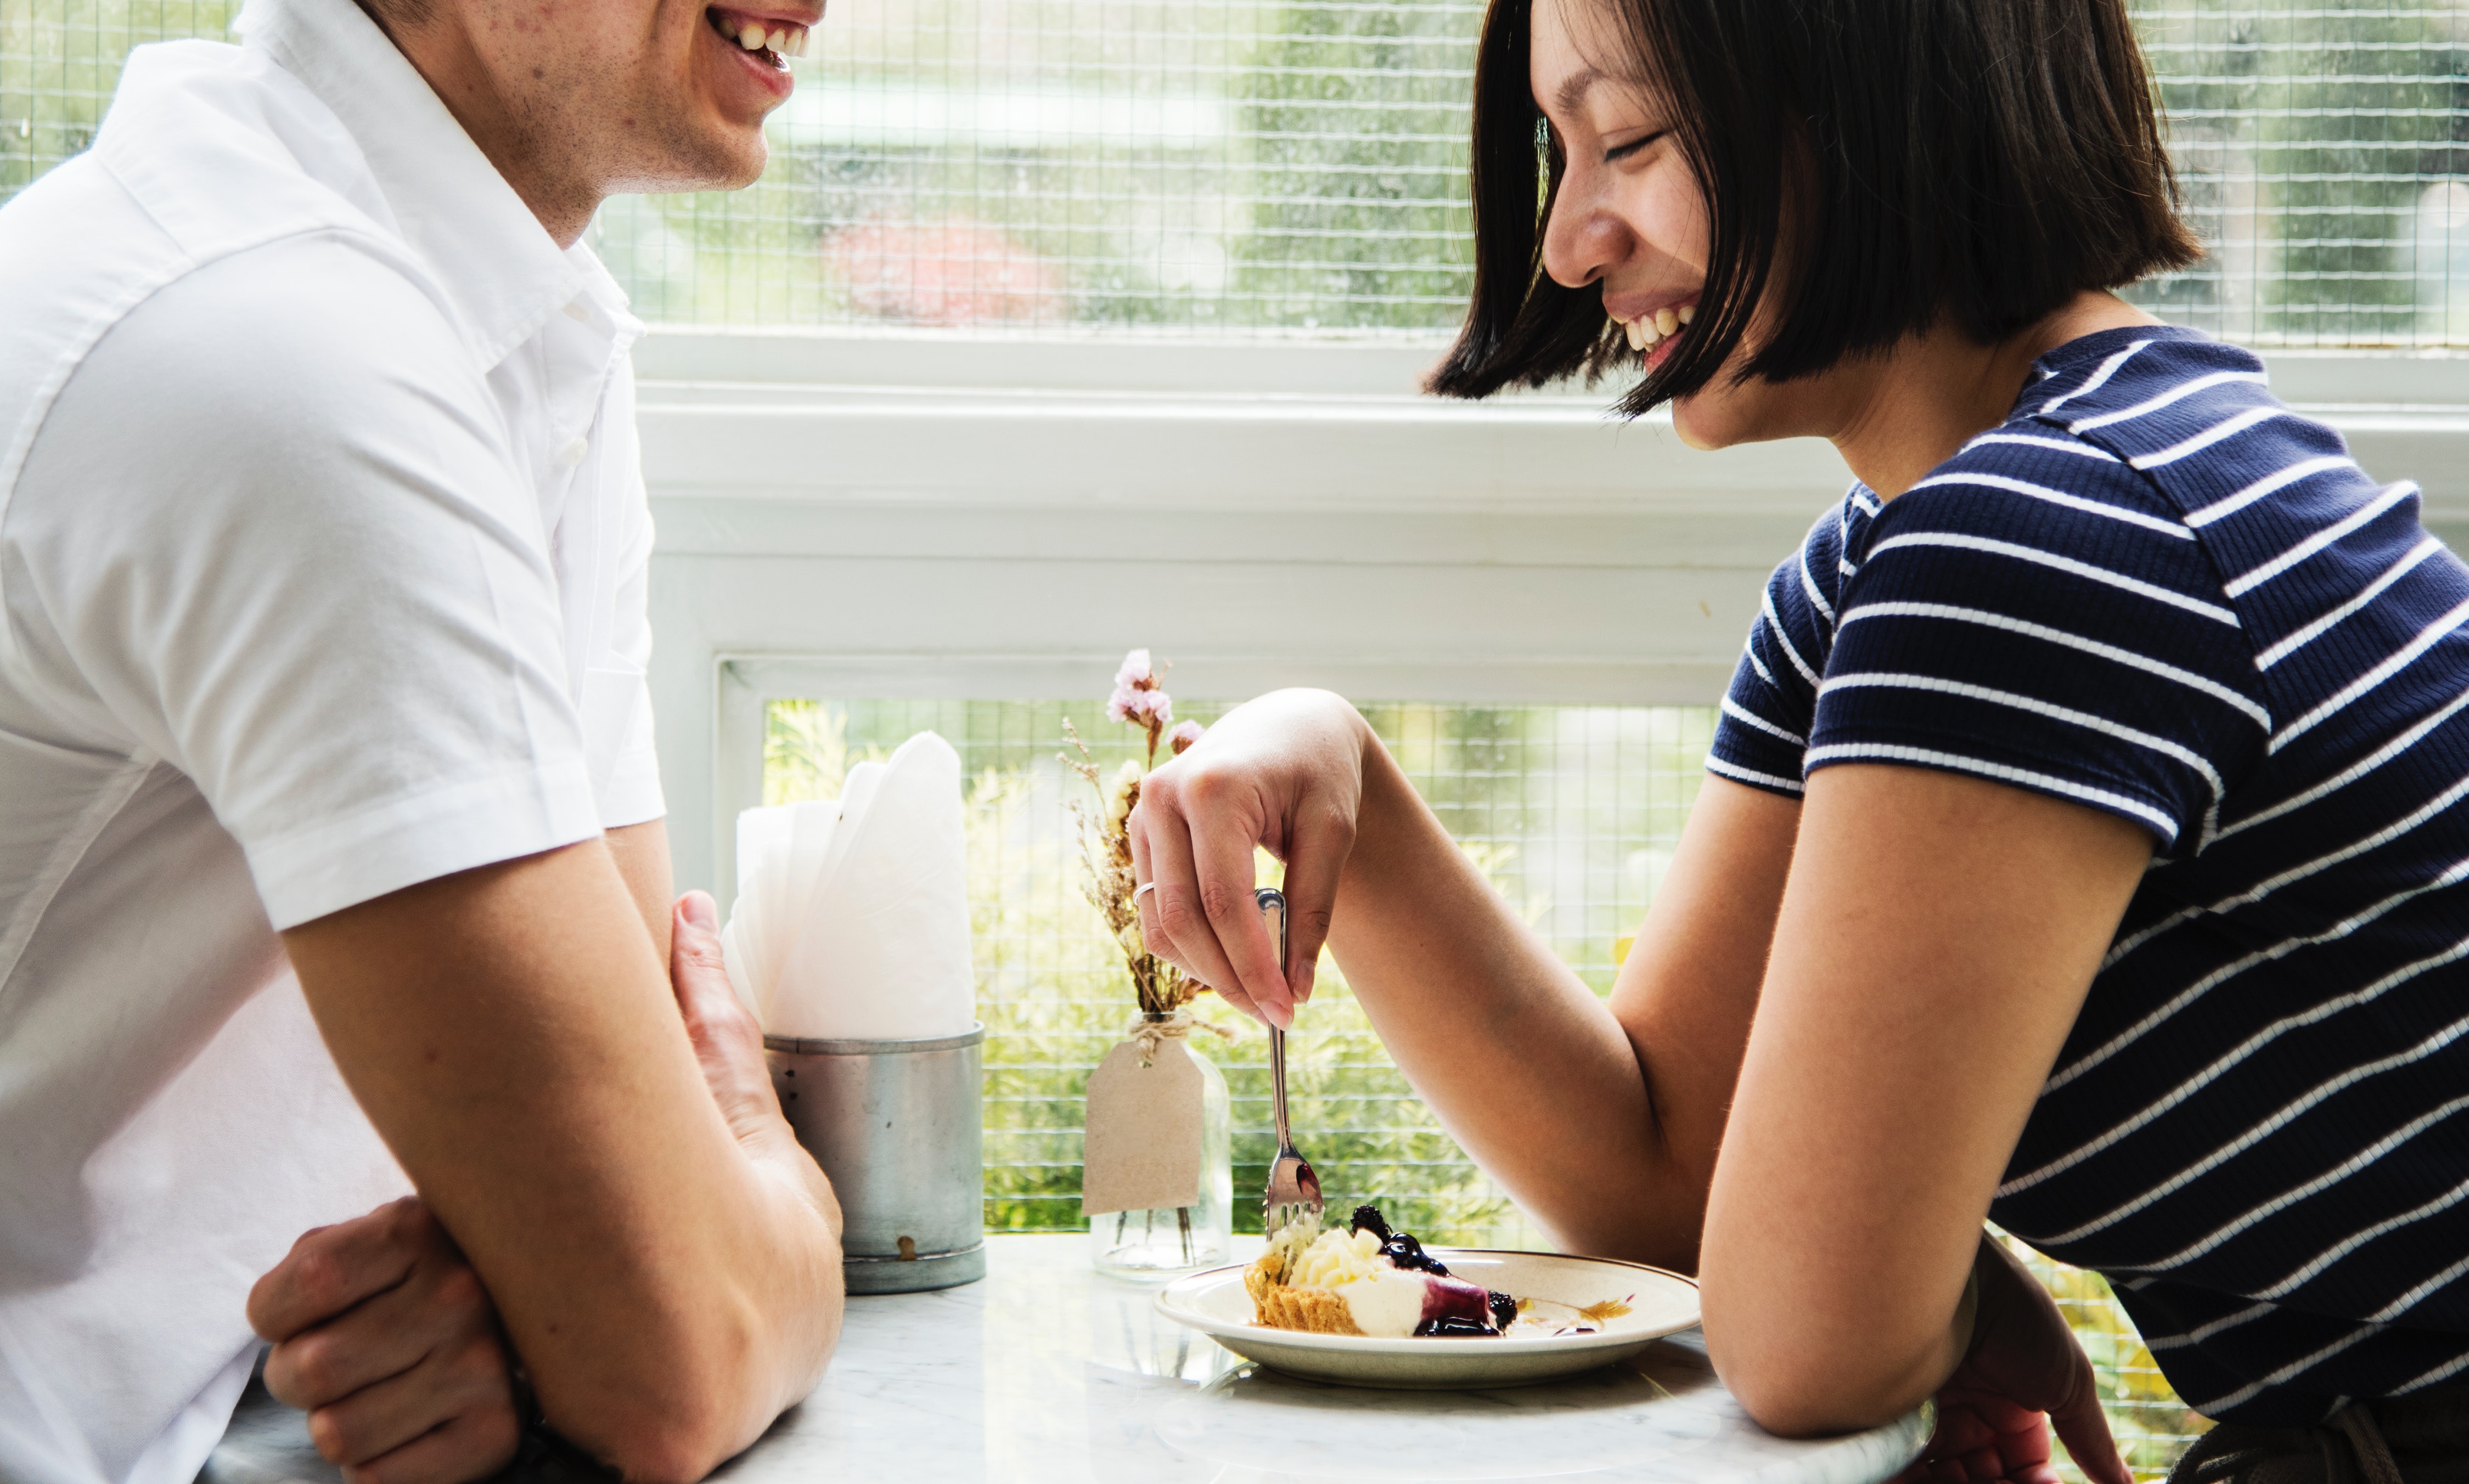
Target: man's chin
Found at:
x=717, y=159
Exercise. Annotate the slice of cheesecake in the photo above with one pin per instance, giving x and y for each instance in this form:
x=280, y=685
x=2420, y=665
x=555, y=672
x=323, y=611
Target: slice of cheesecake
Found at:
x=1364, y=1279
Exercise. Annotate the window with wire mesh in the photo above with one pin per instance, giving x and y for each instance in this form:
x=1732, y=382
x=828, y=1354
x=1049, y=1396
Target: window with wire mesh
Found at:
x=1297, y=166
x=1571, y=811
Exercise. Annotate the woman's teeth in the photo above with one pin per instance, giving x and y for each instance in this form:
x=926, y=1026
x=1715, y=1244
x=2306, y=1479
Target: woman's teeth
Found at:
x=1647, y=331
x=760, y=36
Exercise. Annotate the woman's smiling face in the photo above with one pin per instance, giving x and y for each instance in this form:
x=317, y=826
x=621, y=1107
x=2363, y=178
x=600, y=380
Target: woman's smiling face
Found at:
x=1630, y=215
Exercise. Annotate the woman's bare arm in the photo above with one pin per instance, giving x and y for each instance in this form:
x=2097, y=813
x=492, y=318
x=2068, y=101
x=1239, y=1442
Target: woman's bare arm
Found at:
x=1601, y=1120
x=1937, y=939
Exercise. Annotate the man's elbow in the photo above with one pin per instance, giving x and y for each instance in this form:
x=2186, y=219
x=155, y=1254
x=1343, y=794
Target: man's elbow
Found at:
x=698, y=1399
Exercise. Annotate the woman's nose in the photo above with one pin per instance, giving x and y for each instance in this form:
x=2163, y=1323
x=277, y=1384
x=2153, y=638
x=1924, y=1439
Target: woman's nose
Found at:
x=1583, y=239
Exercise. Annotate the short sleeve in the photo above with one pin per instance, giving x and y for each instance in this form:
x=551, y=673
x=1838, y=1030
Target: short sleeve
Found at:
x=271, y=535
x=1764, y=729
x=2036, y=614
x=628, y=779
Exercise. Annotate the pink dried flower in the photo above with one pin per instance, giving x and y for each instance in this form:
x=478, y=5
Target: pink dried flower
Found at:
x=1139, y=698
x=1183, y=736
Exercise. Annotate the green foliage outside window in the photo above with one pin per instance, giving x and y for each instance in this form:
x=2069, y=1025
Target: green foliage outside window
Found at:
x=1297, y=166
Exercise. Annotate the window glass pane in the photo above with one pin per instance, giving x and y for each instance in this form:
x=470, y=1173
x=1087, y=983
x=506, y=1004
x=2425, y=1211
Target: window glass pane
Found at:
x=1571, y=810
x=1296, y=166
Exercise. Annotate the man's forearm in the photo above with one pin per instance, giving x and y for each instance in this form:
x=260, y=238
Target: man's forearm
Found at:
x=669, y=1281
x=641, y=853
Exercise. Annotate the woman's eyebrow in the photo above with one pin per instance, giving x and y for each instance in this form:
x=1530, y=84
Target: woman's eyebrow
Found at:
x=1573, y=90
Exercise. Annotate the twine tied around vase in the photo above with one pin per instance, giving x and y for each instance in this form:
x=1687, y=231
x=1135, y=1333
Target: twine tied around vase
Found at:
x=1153, y=1032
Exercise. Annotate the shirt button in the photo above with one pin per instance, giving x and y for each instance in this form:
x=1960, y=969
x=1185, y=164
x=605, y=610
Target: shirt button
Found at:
x=577, y=311
x=572, y=454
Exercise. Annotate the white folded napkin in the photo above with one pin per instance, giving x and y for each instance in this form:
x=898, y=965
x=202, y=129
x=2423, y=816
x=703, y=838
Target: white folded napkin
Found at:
x=852, y=915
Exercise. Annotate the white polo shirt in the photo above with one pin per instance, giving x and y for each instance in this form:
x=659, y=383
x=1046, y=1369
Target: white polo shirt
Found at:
x=322, y=560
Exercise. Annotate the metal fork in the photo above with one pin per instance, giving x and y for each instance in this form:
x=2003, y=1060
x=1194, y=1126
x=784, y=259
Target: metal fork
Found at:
x=1294, y=1191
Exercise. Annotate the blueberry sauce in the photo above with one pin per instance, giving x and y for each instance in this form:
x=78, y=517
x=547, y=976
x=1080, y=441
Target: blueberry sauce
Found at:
x=1452, y=1308
x=1401, y=1248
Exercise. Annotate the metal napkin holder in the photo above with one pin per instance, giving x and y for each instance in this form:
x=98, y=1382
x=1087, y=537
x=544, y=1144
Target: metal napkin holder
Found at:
x=898, y=1126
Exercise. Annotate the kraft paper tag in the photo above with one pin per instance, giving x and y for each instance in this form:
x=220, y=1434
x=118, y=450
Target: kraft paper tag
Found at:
x=1141, y=1149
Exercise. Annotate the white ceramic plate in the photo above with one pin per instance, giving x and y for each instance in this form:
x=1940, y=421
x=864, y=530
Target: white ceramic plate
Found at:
x=1660, y=1303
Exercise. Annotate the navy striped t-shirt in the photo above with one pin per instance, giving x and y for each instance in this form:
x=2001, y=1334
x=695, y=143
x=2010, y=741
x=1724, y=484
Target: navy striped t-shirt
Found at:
x=2157, y=591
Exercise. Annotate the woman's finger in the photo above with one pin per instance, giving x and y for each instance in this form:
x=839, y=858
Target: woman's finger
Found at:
x=1153, y=934
x=2084, y=1428
x=1153, y=931
x=1229, y=885
x=1317, y=843
x=1177, y=900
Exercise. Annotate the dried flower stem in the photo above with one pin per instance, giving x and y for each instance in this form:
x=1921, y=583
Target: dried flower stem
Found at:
x=1106, y=852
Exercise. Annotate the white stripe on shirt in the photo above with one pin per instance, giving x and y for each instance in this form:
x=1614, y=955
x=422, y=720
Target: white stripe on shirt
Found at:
x=1931, y=757
x=2355, y=1240
x=2314, y=630
x=2135, y=517
x=2038, y=707
x=2303, y=1363
x=2097, y=379
x=1774, y=626
x=2258, y=576
x=2229, y=428
x=2067, y=564
x=1744, y=775
x=2427, y=638
x=2061, y=445
x=2110, y=652
x=2278, y=1203
x=2203, y=1332
x=1743, y=714
x=2229, y=1060
x=2278, y=479
x=2218, y=977
x=2175, y=394
x=2355, y=770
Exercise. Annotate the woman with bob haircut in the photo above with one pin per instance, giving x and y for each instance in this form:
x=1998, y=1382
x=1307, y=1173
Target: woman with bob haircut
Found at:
x=2081, y=850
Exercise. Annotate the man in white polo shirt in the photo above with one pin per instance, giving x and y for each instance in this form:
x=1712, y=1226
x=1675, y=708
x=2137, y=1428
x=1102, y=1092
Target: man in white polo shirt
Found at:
x=331, y=862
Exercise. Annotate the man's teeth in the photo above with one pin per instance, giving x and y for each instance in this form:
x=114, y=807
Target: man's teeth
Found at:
x=755, y=36
x=1647, y=331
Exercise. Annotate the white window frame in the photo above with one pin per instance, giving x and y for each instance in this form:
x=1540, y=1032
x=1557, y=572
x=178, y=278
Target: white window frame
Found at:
x=934, y=516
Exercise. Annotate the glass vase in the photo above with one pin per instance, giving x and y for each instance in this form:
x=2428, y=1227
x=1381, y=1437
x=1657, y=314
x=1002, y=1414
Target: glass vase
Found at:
x=1172, y=1241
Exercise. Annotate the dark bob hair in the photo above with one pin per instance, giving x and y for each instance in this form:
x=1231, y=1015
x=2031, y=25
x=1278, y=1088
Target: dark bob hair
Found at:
x=1970, y=163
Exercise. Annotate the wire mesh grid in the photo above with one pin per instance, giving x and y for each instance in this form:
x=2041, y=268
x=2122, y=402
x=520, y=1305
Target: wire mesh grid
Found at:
x=1569, y=811
x=1297, y=166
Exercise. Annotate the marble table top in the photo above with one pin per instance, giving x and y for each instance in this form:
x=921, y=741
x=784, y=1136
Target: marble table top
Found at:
x=1048, y=1370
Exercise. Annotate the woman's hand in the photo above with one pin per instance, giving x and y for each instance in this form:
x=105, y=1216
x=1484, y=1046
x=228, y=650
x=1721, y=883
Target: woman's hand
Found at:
x=1284, y=773
x=2024, y=1374
x=385, y=1337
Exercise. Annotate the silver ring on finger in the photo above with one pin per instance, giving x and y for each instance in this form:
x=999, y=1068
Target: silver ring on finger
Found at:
x=1142, y=890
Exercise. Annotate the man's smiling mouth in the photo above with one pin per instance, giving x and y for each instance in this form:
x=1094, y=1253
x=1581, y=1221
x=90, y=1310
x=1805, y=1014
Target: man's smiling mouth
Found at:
x=776, y=40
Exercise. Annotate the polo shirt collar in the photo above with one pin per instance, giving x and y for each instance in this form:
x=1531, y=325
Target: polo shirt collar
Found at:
x=494, y=262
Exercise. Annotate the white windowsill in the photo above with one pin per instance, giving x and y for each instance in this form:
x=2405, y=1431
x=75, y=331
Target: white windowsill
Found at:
x=932, y=515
